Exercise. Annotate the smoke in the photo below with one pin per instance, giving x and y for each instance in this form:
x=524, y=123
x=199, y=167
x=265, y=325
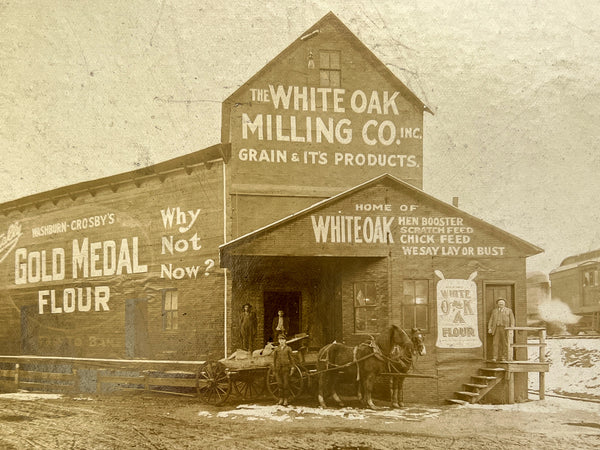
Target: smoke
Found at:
x=557, y=312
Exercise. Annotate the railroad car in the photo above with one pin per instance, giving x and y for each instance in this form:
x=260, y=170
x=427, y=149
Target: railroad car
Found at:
x=576, y=282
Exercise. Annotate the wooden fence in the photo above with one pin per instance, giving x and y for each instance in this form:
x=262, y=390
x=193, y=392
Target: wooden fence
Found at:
x=67, y=375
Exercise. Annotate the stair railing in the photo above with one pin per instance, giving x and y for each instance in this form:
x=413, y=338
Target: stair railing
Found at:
x=540, y=343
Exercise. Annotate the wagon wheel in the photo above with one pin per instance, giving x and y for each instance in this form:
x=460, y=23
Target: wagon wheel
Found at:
x=214, y=384
x=296, y=383
x=250, y=384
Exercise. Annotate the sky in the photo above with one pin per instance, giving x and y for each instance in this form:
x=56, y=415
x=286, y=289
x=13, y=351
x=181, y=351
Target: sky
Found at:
x=90, y=89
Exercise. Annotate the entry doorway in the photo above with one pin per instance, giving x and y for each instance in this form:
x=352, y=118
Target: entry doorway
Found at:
x=287, y=301
x=492, y=293
x=136, y=328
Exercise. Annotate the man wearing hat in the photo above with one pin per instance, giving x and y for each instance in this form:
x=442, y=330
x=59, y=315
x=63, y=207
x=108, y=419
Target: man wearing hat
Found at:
x=502, y=317
x=248, y=325
x=283, y=366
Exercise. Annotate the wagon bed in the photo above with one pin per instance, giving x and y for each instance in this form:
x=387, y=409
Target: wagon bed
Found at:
x=250, y=377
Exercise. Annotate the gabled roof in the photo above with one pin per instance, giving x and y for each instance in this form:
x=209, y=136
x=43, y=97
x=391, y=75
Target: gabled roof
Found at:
x=331, y=18
x=527, y=248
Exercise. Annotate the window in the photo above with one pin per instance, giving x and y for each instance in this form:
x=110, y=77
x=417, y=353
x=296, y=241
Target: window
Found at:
x=415, y=304
x=169, y=313
x=365, y=307
x=591, y=287
x=590, y=278
x=330, y=68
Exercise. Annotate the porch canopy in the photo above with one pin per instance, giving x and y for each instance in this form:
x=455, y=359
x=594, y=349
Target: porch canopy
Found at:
x=375, y=218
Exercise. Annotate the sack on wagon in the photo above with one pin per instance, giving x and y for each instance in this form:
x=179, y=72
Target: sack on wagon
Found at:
x=240, y=354
x=265, y=351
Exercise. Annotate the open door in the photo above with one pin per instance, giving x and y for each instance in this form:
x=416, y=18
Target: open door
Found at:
x=492, y=293
x=287, y=301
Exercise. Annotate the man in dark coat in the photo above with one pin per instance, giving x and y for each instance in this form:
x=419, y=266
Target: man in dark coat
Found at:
x=248, y=326
x=281, y=325
x=501, y=317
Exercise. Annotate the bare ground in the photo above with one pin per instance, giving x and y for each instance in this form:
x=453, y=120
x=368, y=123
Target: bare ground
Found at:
x=166, y=422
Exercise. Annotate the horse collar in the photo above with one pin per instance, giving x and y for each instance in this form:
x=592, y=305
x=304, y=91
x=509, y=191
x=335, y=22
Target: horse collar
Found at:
x=376, y=350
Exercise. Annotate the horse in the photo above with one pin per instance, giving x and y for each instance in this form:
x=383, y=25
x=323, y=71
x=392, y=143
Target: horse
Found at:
x=359, y=364
x=401, y=361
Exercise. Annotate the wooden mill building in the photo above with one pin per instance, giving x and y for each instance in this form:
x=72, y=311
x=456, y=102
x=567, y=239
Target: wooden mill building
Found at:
x=312, y=203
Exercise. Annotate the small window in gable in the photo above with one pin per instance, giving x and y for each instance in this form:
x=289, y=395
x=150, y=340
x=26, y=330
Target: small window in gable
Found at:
x=330, y=68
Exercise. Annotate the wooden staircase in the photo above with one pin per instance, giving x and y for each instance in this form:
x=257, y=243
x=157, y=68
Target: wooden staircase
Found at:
x=480, y=385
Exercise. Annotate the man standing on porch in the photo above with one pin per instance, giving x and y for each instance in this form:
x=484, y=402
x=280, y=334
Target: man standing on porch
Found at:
x=501, y=318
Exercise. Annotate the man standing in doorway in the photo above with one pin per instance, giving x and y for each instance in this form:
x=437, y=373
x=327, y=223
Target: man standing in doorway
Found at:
x=281, y=324
x=501, y=318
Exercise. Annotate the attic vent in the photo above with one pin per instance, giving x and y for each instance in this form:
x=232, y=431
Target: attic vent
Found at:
x=310, y=35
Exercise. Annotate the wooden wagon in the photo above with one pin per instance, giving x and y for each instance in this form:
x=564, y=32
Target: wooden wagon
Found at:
x=252, y=377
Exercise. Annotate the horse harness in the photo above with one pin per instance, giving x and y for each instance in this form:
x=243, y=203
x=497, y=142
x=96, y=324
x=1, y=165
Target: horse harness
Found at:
x=406, y=361
x=377, y=353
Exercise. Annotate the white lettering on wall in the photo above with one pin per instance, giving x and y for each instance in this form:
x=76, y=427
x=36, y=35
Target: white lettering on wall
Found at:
x=178, y=216
x=74, y=299
x=87, y=256
x=9, y=240
x=183, y=220
x=457, y=312
x=417, y=235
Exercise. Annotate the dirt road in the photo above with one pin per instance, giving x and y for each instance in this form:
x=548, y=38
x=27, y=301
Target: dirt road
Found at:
x=164, y=422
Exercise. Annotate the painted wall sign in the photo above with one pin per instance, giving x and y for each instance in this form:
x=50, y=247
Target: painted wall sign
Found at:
x=88, y=274
x=416, y=235
x=322, y=133
x=457, y=312
x=293, y=123
x=87, y=260
x=180, y=241
x=9, y=240
x=76, y=224
x=76, y=274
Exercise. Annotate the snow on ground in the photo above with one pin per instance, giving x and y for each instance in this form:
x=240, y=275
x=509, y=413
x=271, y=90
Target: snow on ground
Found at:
x=29, y=396
x=284, y=414
x=548, y=405
x=574, y=367
x=574, y=371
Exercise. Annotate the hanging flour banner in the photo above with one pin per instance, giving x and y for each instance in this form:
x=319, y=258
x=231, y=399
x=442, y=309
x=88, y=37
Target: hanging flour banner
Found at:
x=457, y=313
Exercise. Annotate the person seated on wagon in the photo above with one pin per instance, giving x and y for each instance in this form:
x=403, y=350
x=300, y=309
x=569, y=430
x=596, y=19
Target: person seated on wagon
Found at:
x=283, y=365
